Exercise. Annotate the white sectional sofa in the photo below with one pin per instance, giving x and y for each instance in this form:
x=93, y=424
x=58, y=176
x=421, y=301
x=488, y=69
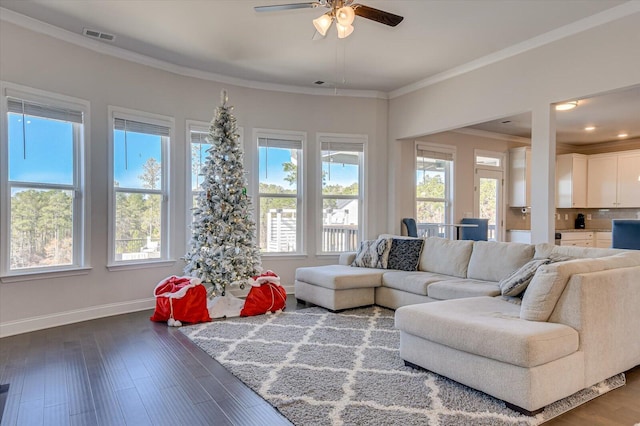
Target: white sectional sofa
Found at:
x=577, y=324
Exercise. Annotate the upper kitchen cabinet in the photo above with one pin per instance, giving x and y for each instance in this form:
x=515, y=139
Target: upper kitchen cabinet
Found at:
x=520, y=177
x=614, y=180
x=629, y=179
x=571, y=181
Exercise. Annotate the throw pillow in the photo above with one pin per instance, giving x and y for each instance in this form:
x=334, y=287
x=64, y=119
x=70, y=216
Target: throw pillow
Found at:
x=405, y=254
x=518, y=280
x=373, y=253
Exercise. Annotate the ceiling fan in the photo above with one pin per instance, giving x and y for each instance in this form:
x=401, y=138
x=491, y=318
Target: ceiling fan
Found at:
x=342, y=11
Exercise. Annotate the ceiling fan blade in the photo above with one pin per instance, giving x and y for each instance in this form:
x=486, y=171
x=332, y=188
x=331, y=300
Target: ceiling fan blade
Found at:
x=377, y=15
x=290, y=6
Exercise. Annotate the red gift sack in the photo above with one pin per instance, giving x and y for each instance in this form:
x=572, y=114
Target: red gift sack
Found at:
x=266, y=295
x=180, y=299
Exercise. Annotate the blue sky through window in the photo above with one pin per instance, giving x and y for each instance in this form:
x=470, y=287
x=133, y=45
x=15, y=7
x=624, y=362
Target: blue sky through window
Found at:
x=129, y=162
x=43, y=153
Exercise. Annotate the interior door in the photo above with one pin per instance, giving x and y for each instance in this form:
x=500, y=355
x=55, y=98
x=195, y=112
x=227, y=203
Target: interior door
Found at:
x=489, y=200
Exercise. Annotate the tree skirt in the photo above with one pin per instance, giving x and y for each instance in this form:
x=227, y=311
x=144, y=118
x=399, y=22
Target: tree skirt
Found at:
x=323, y=368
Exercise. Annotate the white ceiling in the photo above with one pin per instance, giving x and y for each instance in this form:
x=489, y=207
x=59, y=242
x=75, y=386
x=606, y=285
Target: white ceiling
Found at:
x=228, y=38
x=611, y=114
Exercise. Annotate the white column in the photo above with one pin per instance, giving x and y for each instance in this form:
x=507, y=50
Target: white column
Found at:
x=543, y=173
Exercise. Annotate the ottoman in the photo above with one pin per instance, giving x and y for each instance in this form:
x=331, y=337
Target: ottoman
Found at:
x=337, y=287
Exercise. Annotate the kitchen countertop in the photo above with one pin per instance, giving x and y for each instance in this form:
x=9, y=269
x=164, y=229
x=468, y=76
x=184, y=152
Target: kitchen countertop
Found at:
x=584, y=230
x=566, y=230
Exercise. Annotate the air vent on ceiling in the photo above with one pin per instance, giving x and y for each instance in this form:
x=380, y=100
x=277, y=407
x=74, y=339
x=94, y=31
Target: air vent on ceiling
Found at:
x=98, y=34
x=319, y=82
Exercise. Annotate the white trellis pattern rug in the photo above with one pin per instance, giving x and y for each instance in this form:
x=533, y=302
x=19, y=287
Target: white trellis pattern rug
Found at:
x=323, y=368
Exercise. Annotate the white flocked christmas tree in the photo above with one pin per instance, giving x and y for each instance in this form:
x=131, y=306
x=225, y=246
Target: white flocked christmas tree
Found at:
x=223, y=251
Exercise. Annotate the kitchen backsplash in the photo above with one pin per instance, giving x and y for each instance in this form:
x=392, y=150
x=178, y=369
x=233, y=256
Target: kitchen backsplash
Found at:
x=600, y=218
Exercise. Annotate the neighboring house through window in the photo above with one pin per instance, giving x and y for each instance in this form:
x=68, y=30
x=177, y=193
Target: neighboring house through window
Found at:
x=139, y=207
x=342, y=170
x=280, y=190
x=44, y=204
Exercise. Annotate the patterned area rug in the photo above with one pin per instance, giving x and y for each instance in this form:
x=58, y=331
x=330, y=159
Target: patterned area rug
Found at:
x=323, y=368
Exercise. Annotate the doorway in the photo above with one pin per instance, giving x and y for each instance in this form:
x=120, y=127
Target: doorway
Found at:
x=488, y=192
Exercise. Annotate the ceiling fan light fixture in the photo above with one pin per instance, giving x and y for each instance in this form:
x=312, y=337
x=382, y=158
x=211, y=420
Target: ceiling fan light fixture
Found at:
x=323, y=23
x=344, y=31
x=345, y=16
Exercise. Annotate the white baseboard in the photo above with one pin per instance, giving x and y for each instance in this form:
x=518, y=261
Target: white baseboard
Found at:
x=41, y=322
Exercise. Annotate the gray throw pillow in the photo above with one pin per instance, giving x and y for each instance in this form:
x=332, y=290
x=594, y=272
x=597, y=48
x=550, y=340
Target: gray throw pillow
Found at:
x=405, y=254
x=519, y=279
x=373, y=253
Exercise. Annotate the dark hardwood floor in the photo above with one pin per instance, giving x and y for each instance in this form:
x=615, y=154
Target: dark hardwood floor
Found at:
x=127, y=370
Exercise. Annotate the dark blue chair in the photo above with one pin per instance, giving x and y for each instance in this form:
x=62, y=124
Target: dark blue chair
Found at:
x=480, y=233
x=625, y=234
x=412, y=227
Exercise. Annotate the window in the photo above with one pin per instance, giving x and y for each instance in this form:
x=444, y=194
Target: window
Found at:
x=434, y=166
x=197, y=133
x=342, y=160
x=280, y=194
x=43, y=181
x=139, y=208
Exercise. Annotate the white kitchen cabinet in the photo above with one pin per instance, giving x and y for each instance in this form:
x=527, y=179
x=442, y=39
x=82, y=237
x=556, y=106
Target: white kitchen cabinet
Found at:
x=602, y=180
x=519, y=236
x=520, y=177
x=628, y=180
x=577, y=239
x=613, y=180
x=571, y=181
x=603, y=239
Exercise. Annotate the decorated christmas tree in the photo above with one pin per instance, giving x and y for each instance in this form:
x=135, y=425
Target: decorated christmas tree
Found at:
x=223, y=251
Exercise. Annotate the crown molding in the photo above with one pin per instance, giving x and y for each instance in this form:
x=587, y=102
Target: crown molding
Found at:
x=100, y=47
x=606, y=16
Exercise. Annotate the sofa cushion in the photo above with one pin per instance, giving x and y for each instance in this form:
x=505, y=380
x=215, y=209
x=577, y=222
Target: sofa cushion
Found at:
x=412, y=282
x=493, y=261
x=489, y=327
x=550, y=280
x=340, y=277
x=405, y=254
x=446, y=257
x=457, y=288
x=516, y=282
x=373, y=253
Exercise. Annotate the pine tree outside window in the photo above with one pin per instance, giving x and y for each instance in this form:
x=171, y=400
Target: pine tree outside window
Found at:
x=42, y=182
x=280, y=193
x=139, y=176
x=434, y=200
x=342, y=158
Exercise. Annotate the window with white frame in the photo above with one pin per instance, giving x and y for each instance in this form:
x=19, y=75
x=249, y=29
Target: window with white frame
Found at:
x=139, y=208
x=280, y=191
x=43, y=179
x=434, y=171
x=342, y=169
x=198, y=151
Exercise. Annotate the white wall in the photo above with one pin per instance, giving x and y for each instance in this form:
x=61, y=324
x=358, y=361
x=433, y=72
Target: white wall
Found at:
x=598, y=60
x=35, y=60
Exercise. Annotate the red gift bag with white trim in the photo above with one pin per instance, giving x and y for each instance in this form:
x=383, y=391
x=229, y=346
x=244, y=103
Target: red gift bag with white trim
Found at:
x=180, y=299
x=266, y=295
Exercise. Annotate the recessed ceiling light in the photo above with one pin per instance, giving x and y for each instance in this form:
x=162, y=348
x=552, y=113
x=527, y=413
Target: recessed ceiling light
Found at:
x=623, y=135
x=566, y=106
x=590, y=128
